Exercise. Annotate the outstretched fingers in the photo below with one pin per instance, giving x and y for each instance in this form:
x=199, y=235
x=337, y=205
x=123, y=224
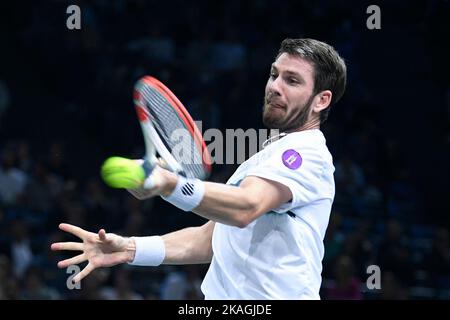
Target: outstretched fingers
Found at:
x=102, y=235
x=75, y=246
x=88, y=269
x=76, y=231
x=74, y=260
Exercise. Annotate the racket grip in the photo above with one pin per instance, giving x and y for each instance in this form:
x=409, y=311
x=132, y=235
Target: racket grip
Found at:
x=148, y=167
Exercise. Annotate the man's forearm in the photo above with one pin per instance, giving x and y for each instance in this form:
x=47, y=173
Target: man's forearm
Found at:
x=226, y=204
x=185, y=246
x=190, y=245
x=231, y=205
x=223, y=203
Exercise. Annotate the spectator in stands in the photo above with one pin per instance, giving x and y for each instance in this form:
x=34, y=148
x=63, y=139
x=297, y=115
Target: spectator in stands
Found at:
x=345, y=285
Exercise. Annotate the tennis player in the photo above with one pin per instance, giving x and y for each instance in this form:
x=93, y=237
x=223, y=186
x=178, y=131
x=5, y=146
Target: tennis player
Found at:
x=264, y=238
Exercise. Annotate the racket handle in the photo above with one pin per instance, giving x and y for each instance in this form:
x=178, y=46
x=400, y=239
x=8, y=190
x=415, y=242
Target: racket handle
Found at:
x=148, y=167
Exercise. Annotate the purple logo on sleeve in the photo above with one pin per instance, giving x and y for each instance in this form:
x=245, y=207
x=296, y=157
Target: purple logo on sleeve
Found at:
x=292, y=159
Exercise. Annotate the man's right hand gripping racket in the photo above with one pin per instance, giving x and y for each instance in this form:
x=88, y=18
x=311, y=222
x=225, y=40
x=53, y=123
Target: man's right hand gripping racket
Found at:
x=171, y=137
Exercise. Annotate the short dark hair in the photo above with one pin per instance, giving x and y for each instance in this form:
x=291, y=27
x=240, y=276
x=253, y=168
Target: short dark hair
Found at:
x=330, y=72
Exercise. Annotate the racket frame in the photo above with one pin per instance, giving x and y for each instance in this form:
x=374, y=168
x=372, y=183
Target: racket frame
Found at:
x=153, y=142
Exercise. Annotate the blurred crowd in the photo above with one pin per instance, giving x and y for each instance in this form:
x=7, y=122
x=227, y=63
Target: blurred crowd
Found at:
x=65, y=105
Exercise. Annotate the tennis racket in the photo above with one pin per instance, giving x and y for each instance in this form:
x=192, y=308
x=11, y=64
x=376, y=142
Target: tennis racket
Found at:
x=163, y=120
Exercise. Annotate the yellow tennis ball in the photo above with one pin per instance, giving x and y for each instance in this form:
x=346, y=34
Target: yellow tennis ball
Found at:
x=120, y=172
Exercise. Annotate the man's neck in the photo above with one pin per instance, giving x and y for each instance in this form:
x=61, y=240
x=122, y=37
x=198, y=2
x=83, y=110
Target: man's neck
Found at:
x=310, y=125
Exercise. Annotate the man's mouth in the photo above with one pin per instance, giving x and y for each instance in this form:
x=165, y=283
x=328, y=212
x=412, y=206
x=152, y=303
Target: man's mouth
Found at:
x=276, y=105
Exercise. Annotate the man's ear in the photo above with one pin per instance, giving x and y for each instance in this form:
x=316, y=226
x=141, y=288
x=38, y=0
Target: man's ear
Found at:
x=322, y=101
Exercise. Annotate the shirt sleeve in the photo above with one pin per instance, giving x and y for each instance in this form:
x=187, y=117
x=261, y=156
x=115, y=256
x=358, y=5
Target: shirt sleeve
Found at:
x=300, y=169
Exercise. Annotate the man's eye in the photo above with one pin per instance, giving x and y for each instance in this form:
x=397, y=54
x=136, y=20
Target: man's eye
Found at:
x=273, y=75
x=292, y=80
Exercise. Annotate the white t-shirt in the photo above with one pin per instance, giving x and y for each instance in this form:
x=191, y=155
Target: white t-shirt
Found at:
x=278, y=255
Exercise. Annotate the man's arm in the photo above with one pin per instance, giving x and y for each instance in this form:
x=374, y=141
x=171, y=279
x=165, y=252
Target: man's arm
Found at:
x=190, y=245
x=231, y=205
x=186, y=246
x=238, y=206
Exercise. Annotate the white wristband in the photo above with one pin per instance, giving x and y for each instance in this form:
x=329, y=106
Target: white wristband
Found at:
x=187, y=194
x=150, y=251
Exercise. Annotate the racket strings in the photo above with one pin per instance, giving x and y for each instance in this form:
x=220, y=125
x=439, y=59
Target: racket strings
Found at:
x=166, y=121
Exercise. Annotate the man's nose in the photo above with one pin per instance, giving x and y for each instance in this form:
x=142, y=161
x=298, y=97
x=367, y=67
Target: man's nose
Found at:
x=275, y=86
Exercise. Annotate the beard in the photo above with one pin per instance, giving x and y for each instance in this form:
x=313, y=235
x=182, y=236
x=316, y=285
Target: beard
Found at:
x=278, y=118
